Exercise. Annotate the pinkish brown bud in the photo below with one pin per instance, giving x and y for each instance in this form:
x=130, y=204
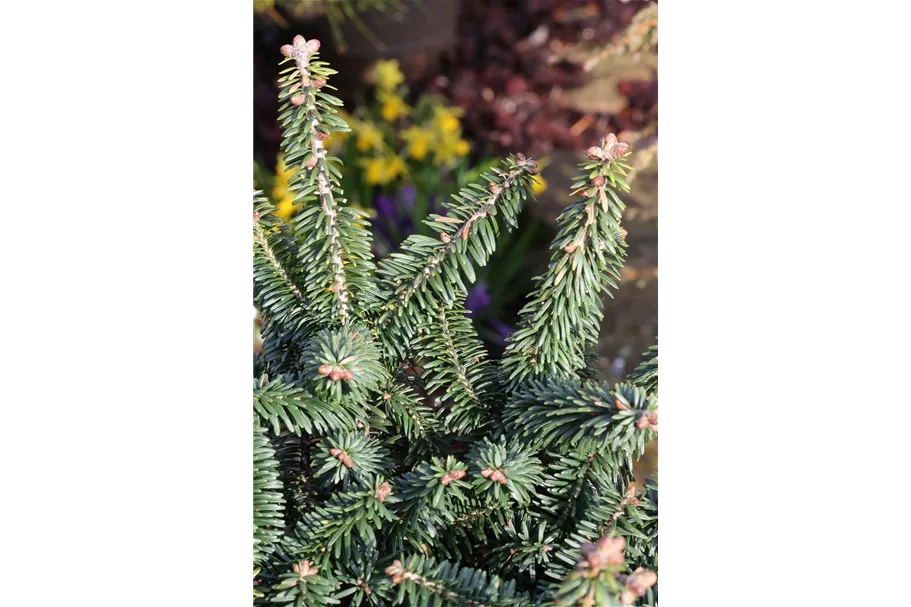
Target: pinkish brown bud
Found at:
x=346, y=460
x=592, y=555
x=334, y=451
x=623, y=233
x=494, y=188
x=595, y=153
x=387, y=396
x=633, y=501
x=336, y=375
x=532, y=167
x=642, y=422
x=383, y=492
x=334, y=288
x=347, y=375
x=395, y=567
x=303, y=569
x=313, y=45
x=297, y=100
x=456, y=474
x=653, y=418
x=322, y=136
x=311, y=162
x=445, y=237
x=287, y=50
x=627, y=597
x=299, y=40
x=612, y=545
x=255, y=216
x=520, y=158
x=607, y=552
x=486, y=473
x=619, y=150
x=620, y=406
x=609, y=141
x=324, y=370
x=631, y=491
x=318, y=82
x=641, y=580
x=598, y=181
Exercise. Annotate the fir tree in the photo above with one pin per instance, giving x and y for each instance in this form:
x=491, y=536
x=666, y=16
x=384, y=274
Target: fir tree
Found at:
x=394, y=462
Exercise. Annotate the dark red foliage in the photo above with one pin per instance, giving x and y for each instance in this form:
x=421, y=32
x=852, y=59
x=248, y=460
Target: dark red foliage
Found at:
x=500, y=75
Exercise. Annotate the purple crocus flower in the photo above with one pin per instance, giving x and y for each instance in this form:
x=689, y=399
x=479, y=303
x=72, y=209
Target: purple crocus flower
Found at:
x=407, y=196
x=478, y=298
x=384, y=206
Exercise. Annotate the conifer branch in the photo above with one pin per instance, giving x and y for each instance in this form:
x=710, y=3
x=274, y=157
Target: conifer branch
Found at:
x=643, y=546
x=346, y=525
x=426, y=582
x=335, y=248
x=268, y=503
x=615, y=511
x=430, y=495
x=568, y=411
x=427, y=273
x=598, y=578
x=343, y=365
x=293, y=455
x=280, y=404
x=524, y=549
x=303, y=586
x=645, y=375
x=563, y=315
x=569, y=473
x=346, y=458
x=499, y=473
x=274, y=291
x=414, y=419
x=454, y=363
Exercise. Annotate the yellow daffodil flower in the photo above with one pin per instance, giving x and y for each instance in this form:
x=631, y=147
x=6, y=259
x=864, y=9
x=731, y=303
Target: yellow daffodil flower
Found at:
x=380, y=171
x=448, y=149
x=282, y=177
x=461, y=148
x=374, y=170
x=387, y=75
x=286, y=208
x=368, y=137
x=417, y=140
x=395, y=166
x=446, y=119
x=393, y=107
